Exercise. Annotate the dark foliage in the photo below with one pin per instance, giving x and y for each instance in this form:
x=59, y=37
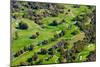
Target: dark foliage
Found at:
x=54, y=23
x=43, y=51
x=29, y=60
x=91, y=56
x=22, y=26
x=23, y=64
x=35, y=57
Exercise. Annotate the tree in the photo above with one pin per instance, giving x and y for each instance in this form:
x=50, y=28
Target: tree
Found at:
x=91, y=56
x=62, y=33
x=54, y=23
x=51, y=51
x=30, y=48
x=63, y=21
x=33, y=36
x=39, y=62
x=35, y=57
x=29, y=60
x=44, y=42
x=21, y=51
x=74, y=32
x=52, y=39
x=25, y=48
x=68, y=10
x=18, y=53
x=62, y=59
x=79, y=45
x=16, y=35
x=37, y=33
x=76, y=6
x=23, y=64
x=66, y=45
x=43, y=51
x=23, y=26
x=56, y=36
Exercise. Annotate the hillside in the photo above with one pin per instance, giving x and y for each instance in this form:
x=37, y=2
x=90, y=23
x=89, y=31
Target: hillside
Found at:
x=50, y=33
